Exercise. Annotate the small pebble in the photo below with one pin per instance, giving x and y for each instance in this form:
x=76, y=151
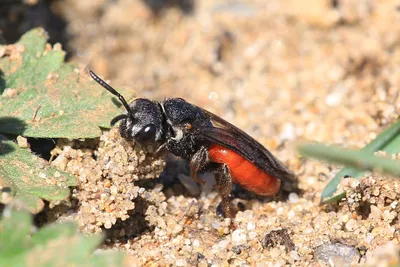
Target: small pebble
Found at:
x=293, y=198
x=288, y=132
x=333, y=99
x=107, y=183
x=279, y=211
x=200, y=256
x=294, y=255
x=213, y=96
x=351, y=225
x=113, y=190
x=291, y=214
x=239, y=248
x=107, y=225
x=369, y=238
x=251, y=226
x=337, y=254
x=252, y=235
x=22, y=142
x=177, y=229
x=275, y=252
x=180, y=263
x=196, y=243
x=238, y=236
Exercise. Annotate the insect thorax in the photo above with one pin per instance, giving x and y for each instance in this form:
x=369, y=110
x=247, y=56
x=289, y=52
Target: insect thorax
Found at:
x=184, y=148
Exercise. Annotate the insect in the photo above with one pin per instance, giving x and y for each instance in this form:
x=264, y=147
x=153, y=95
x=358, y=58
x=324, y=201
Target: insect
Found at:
x=209, y=143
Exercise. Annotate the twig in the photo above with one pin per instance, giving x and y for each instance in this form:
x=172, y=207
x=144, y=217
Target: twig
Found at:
x=35, y=113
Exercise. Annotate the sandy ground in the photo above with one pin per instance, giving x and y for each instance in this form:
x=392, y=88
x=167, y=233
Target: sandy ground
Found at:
x=283, y=71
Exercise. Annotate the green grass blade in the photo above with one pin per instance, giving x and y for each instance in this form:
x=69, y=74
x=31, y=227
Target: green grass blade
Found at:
x=357, y=160
x=388, y=140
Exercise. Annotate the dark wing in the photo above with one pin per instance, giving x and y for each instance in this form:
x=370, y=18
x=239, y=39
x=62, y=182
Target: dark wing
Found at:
x=231, y=137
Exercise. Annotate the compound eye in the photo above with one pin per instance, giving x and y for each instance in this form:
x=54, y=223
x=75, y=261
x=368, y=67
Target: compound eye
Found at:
x=146, y=135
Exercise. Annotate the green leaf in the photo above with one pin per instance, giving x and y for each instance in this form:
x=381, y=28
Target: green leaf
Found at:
x=388, y=140
x=14, y=228
x=107, y=258
x=64, y=251
x=49, y=98
x=53, y=245
x=30, y=178
x=36, y=62
x=54, y=231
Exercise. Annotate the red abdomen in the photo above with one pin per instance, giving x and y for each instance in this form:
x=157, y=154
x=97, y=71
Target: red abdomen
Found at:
x=244, y=172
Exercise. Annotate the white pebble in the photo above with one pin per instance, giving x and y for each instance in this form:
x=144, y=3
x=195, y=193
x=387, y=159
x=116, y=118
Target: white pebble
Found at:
x=238, y=237
x=291, y=214
x=275, y=252
x=176, y=241
x=108, y=225
x=113, y=190
x=293, y=198
x=223, y=244
x=180, y=263
x=213, y=96
x=311, y=180
x=107, y=167
x=351, y=225
x=177, y=229
x=215, y=224
x=345, y=218
x=369, y=238
x=253, y=235
x=196, y=243
x=294, y=255
x=279, y=211
x=333, y=99
x=42, y=175
x=161, y=233
x=227, y=222
x=288, y=132
x=308, y=231
x=251, y=226
x=391, y=230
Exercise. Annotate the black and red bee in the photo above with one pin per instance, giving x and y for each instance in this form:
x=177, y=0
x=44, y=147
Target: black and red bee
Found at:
x=209, y=143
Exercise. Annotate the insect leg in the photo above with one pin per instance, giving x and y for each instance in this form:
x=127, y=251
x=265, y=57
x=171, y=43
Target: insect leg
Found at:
x=224, y=184
x=198, y=161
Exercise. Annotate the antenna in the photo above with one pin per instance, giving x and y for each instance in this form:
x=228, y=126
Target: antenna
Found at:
x=112, y=91
x=118, y=118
